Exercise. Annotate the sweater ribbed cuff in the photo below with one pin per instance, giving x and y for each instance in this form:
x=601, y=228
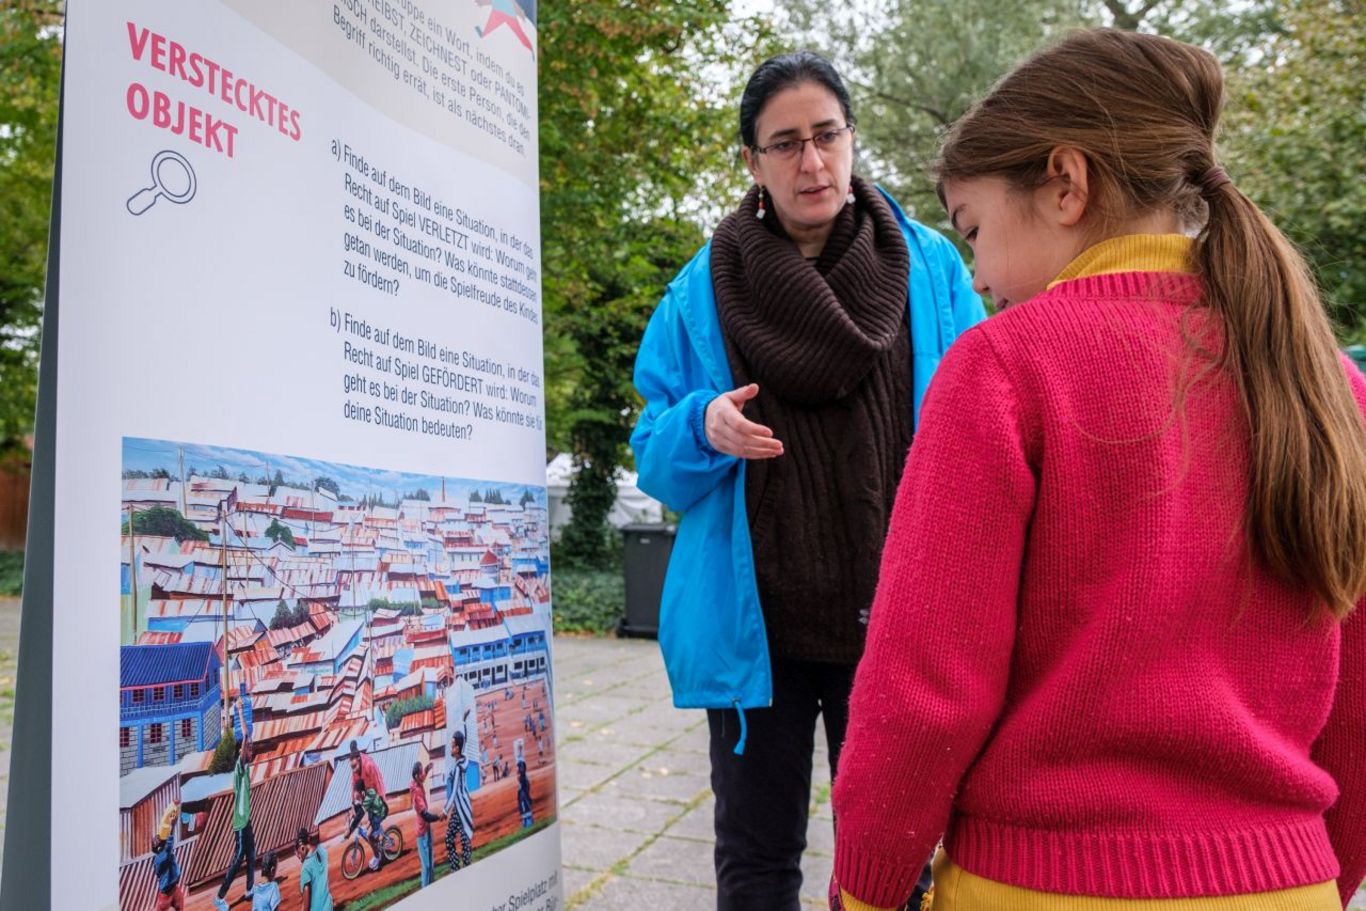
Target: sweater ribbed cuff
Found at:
x=878, y=881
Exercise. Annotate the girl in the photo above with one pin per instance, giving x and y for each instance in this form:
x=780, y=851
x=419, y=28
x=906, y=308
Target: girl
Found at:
x=1131, y=535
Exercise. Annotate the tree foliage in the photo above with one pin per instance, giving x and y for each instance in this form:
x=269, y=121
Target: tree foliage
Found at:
x=30, y=78
x=626, y=286
x=915, y=66
x=1295, y=140
x=638, y=150
x=404, y=608
x=1294, y=136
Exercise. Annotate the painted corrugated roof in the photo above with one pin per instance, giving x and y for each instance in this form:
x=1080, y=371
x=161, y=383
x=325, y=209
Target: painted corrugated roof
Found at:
x=173, y=608
x=202, y=786
x=424, y=721
x=280, y=806
x=153, y=637
x=337, y=637
x=152, y=665
x=169, y=560
x=286, y=728
x=339, y=734
x=242, y=636
x=284, y=755
x=139, y=783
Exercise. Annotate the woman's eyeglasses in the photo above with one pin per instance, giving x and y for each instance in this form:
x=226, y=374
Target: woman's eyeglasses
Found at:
x=825, y=141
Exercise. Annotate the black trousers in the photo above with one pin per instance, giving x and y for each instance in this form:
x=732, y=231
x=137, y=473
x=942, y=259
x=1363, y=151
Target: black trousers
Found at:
x=763, y=797
x=245, y=852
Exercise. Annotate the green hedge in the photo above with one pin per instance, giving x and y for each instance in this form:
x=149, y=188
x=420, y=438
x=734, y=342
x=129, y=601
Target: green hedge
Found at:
x=588, y=600
x=11, y=573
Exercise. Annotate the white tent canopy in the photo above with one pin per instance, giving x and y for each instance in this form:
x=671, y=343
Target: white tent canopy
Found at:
x=631, y=504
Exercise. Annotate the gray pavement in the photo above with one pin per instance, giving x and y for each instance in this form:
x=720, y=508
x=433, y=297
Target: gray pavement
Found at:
x=635, y=802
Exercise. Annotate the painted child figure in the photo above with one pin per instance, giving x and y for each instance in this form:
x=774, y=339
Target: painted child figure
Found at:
x=266, y=895
x=170, y=892
x=417, y=791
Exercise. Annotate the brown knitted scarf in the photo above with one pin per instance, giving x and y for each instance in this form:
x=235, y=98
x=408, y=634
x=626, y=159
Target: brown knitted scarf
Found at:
x=812, y=333
x=829, y=345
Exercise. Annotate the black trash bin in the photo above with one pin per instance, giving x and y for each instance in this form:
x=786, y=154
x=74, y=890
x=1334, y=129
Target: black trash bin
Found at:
x=645, y=554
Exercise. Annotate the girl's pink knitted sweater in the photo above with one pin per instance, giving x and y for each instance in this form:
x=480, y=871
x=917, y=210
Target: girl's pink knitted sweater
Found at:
x=1075, y=672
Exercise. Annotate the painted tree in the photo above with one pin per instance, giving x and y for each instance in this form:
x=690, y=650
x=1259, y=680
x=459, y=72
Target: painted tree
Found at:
x=283, y=617
x=165, y=522
x=279, y=532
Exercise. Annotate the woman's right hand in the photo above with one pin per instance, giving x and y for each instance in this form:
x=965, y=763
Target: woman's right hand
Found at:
x=730, y=432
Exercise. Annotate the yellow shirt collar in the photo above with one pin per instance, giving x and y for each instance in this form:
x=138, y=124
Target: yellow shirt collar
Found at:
x=1132, y=253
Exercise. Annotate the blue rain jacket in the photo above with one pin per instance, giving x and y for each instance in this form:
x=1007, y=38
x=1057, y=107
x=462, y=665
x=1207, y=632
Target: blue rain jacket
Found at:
x=711, y=628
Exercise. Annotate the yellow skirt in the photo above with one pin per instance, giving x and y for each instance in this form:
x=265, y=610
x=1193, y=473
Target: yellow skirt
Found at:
x=955, y=889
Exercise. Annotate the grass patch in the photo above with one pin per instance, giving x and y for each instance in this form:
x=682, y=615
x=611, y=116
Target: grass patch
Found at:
x=389, y=894
x=588, y=600
x=11, y=573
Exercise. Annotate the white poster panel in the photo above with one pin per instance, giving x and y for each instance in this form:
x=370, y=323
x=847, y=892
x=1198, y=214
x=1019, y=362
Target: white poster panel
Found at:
x=300, y=434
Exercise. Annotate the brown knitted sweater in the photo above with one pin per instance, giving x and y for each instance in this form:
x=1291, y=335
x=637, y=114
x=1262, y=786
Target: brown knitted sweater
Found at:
x=828, y=342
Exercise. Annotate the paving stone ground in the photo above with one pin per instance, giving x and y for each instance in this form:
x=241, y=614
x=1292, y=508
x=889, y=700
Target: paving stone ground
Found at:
x=635, y=805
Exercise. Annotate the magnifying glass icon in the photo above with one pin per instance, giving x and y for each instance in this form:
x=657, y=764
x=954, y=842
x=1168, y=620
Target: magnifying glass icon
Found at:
x=172, y=177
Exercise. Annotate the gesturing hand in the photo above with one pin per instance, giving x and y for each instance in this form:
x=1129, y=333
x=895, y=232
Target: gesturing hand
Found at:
x=730, y=432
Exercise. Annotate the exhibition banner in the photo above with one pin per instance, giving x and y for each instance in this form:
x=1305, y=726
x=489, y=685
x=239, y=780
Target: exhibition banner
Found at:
x=291, y=467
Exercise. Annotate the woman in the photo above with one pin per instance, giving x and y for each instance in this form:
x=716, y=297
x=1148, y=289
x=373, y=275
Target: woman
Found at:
x=1118, y=665
x=459, y=810
x=782, y=375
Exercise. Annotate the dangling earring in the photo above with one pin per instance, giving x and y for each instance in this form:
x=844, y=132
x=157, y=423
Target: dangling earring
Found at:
x=759, y=213
x=849, y=200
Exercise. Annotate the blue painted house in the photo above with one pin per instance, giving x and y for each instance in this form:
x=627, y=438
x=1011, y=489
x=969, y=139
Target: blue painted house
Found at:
x=514, y=650
x=169, y=702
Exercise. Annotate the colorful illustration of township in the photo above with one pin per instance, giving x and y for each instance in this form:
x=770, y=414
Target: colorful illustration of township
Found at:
x=309, y=633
